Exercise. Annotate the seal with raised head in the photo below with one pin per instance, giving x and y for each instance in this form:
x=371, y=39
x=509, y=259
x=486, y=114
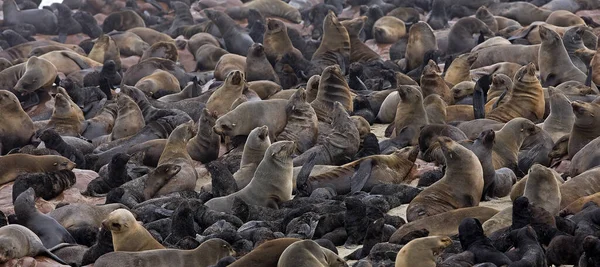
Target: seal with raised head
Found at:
x=555, y=65
x=527, y=98
x=207, y=254
x=335, y=45
x=166, y=50
x=420, y=40
x=127, y=233
x=13, y=165
x=509, y=140
x=16, y=127
x=65, y=119
x=302, y=123
x=460, y=37
x=271, y=184
x=258, y=67
x=461, y=186
x=130, y=119
x=433, y=83
x=254, y=151
x=308, y=253
x=204, y=147
x=422, y=250
x=410, y=110
x=332, y=88
x=237, y=41
x=561, y=118
x=45, y=227
x=221, y=99
x=359, y=51
x=175, y=152
x=105, y=49
x=585, y=129
x=276, y=41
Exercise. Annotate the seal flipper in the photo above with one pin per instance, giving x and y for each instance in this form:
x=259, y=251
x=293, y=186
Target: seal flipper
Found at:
x=361, y=176
x=588, y=79
x=51, y=255
x=479, y=96
x=62, y=37
x=500, y=98
x=522, y=34
x=302, y=186
x=82, y=64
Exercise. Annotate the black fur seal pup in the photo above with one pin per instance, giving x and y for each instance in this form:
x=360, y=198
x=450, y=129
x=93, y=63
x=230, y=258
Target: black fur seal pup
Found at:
x=52, y=140
x=46, y=185
x=116, y=176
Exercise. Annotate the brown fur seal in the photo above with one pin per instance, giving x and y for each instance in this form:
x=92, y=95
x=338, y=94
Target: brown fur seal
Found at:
x=254, y=151
x=436, y=109
x=577, y=205
x=122, y=21
x=260, y=68
x=175, y=152
x=410, y=110
x=561, y=119
x=39, y=73
x=463, y=89
x=128, y=234
x=265, y=89
x=586, y=126
x=207, y=254
x=16, y=127
x=388, y=30
x=220, y=101
x=433, y=83
x=69, y=61
x=500, y=83
x=487, y=17
x=444, y=223
x=130, y=44
x=422, y=250
x=18, y=241
x=265, y=255
x=207, y=57
x=271, y=184
x=365, y=173
x=359, y=52
x=130, y=119
x=105, y=49
x=582, y=185
x=228, y=63
x=335, y=44
x=200, y=39
x=461, y=186
x=308, y=253
x=459, y=69
x=520, y=54
x=460, y=37
x=249, y=115
x=518, y=188
x=271, y=8
x=527, y=99
x=555, y=65
x=277, y=42
x=420, y=40
x=523, y=12
x=542, y=189
x=166, y=50
x=564, y=18
x=65, y=119
x=150, y=36
x=204, y=147
x=509, y=140
x=14, y=165
x=158, y=80
x=332, y=88
x=302, y=123
x=595, y=65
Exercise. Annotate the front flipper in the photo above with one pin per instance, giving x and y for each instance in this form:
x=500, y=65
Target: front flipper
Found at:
x=361, y=176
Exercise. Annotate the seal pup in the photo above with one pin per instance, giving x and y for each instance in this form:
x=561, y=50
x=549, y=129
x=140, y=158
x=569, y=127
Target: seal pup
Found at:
x=18, y=241
x=422, y=250
x=175, y=152
x=127, y=233
x=204, y=147
x=554, y=62
x=308, y=253
x=52, y=140
x=50, y=232
x=302, y=123
x=16, y=127
x=14, y=165
x=207, y=254
x=271, y=184
x=339, y=146
x=46, y=185
x=445, y=195
x=332, y=88
x=527, y=98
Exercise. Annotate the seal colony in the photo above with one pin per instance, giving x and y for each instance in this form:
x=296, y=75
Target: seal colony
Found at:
x=311, y=133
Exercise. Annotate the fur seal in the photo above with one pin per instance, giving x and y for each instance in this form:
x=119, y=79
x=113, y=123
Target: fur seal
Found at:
x=410, y=110
x=18, y=242
x=270, y=8
x=261, y=68
x=54, y=141
x=509, y=140
x=460, y=37
x=158, y=81
x=420, y=40
x=276, y=41
x=236, y=40
x=127, y=233
x=207, y=57
x=265, y=89
x=527, y=99
x=65, y=119
x=204, y=147
x=221, y=99
x=335, y=45
x=16, y=128
x=122, y=21
x=584, y=128
x=584, y=184
x=519, y=54
x=542, y=189
x=554, y=62
x=39, y=73
x=339, y=145
x=561, y=118
x=207, y=254
x=199, y=39
x=429, y=202
x=359, y=52
x=433, y=83
x=422, y=250
x=46, y=185
x=332, y=88
x=13, y=165
x=266, y=254
x=166, y=50
x=308, y=253
x=44, y=21
x=149, y=66
x=302, y=123
x=130, y=44
x=50, y=232
x=388, y=30
x=175, y=152
x=564, y=18
x=459, y=69
x=254, y=151
x=105, y=49
x=228, y=63
x=130, y=119
x=275, y=170
x=237, y=122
